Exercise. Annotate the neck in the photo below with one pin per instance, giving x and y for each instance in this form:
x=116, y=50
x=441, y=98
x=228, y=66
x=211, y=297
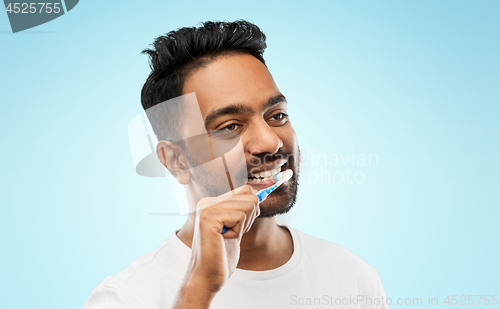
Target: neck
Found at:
x=266, y=246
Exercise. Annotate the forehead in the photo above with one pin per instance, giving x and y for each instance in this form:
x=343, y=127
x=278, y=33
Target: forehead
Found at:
x=232, y=79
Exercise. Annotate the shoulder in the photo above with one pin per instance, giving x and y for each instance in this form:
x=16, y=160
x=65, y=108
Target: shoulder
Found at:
x=140, y=282
x=340, y=270
x=334, y=258
x=126, y=279
x=167, y=259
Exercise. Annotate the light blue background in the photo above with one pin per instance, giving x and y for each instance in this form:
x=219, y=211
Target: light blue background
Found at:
x=416, y=83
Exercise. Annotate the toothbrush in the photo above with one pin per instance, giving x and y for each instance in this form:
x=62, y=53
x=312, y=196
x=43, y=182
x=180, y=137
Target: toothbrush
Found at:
x=280, y=178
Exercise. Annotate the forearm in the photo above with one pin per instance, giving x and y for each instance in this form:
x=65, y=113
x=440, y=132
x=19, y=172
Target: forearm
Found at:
x=193, y=295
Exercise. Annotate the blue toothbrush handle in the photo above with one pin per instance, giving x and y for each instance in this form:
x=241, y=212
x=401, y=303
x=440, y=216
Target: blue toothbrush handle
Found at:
x=262, y=194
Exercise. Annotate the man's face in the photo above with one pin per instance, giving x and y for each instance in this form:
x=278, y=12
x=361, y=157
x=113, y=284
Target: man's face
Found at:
x=237, y=93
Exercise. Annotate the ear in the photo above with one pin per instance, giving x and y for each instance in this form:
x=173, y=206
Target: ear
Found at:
x=174, y=159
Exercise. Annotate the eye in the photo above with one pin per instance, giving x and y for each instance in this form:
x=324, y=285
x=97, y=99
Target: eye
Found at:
x=230, y=127
x=279, y=116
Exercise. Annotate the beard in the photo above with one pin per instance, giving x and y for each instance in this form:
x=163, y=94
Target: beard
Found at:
x=281, y=200
x=213, y=181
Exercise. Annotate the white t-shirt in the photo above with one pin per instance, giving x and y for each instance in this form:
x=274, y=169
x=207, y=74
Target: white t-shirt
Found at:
x=320, y=274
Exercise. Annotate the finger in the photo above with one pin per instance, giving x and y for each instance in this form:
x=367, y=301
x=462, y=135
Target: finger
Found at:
x=246, y=203
x=251, y=198
x=249, y=203
x=255, y=213
x=209, y=201
x=231, y=203
x=243, y=190
x=234, y=221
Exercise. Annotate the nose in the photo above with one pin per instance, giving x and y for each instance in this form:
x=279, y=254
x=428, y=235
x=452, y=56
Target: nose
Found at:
x=261, y=138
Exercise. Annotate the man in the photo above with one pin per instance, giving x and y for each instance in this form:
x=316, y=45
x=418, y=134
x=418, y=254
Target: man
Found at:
x=256, y=263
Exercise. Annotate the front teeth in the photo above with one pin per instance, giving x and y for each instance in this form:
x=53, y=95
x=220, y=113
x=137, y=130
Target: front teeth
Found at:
x=262, y=176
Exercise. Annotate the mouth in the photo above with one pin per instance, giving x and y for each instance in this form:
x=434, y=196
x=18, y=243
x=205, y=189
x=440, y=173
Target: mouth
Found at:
x=261, y=178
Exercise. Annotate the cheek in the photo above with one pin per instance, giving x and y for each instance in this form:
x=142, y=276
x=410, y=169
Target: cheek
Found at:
x=289, y=138
x=291, y=147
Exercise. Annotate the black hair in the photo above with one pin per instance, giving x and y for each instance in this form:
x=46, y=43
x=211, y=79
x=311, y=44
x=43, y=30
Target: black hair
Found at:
x=180, y=52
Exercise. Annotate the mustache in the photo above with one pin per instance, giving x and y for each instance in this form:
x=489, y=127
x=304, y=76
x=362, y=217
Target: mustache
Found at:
x=269, y=158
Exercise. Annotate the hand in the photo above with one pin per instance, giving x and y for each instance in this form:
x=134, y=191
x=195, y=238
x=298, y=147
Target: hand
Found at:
x=215, y=255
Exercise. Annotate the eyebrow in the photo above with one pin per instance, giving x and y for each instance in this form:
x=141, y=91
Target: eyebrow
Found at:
x=240, y=109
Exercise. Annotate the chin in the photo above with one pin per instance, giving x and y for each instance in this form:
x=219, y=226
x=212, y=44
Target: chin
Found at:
x=279, y=202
